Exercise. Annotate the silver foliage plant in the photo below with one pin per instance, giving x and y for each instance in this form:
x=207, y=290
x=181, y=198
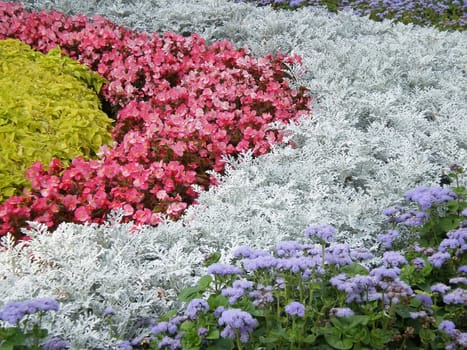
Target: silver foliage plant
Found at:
x=132, y=270
x=390, y=112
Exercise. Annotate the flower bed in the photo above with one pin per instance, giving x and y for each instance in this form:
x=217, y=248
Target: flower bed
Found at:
x=388, y=115
x=180, y=106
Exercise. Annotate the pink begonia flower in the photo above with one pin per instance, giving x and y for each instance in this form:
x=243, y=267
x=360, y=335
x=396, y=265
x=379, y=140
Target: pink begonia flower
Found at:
x=82, y=214
x=128, y=210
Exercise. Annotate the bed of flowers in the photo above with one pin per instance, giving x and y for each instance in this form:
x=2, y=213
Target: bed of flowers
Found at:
x=179, y=107
x=233, y=271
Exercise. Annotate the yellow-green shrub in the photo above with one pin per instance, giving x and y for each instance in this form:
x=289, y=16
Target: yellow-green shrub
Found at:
x=49, y=107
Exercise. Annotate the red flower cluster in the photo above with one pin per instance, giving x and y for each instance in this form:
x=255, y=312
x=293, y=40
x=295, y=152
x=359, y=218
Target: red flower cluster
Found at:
x=179, y=105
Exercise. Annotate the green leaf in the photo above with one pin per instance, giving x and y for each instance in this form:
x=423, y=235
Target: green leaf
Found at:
x=213, y=334
x=217, y=300
x=379, y=337
x=355, y=321
x=336, y=340
x=189, y=294
x=309, y=339
x=403, y=311
x=6, y=346
x=204, y=282
x=222, y=344
x=427, y=335
x=212, y=259
x=188, y=326
x=448, y=223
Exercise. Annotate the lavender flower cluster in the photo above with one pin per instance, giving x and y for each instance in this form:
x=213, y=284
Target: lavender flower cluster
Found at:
x=14, y=312
x=263, y=276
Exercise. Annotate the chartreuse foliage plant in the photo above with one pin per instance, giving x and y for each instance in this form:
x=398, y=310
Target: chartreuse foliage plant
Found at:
x=445, y=15
x=49, y=107
x=180, y=107
x=326, y=295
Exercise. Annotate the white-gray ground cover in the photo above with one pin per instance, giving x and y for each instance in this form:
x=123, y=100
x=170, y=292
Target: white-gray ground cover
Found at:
x=390, y=111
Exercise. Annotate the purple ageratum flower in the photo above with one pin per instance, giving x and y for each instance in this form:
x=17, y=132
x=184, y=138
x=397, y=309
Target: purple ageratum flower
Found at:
x=374, y=295
x=262, y=295
x=202, y=332
x=247, y=252
x=419, y=263
x=14, y=311
x=295, y=309
x=448, y=243
x=388, y=238
x=393, y=211
x=259, y=263
x=341, y=312
x=237, y=322
x=298, y=264
x=44, y=304
x=457, y=296
x=280, y=283
x=138, y=340
x=177, y=320
x=169, y=343
x=416, y=247
x=461, y=339
x=413, y=218
x=447, y=327
x=396, y=290
x=357, y=288
x=196, y=306
x=324, y=232
x=458, y=280
x=223, y=270
x=438, y=259
x=425, y=299
x=461, y=236
x=170, y=327
x=312, y=249
x=440, y=288
x=338, y=280
x=233, y=294
x=218, y=311
x=124, y=345
x=462, y=269
x=383, y=273
x=56, y=343
x=418, y=314
x=464, y=212
x=393, y=259
x=426, y=197
x=338, y=254
x=293, y=3
x=307, y=274
x=160, y=327
x=288, y=248
x=242, y=284
x=360, y=254
x=451, y=346
x=108, y=311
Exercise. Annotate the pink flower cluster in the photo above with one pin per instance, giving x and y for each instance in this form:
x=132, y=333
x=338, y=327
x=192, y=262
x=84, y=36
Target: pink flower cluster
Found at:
x=179, y=106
